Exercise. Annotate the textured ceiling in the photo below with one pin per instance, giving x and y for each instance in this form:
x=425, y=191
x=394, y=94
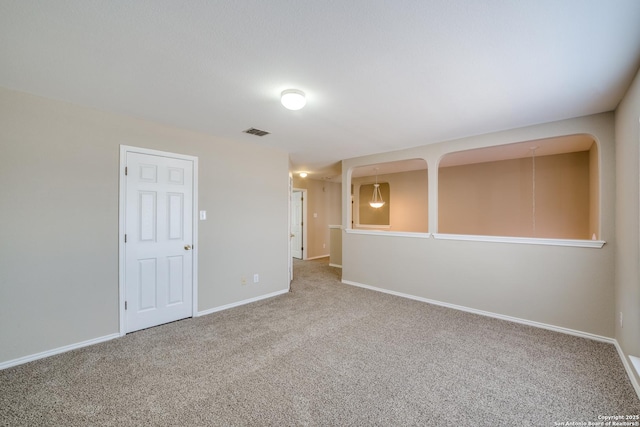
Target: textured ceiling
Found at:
x=380, y=75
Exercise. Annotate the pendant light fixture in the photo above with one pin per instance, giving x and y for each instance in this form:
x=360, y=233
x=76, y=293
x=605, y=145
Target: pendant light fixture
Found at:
x=376, y=200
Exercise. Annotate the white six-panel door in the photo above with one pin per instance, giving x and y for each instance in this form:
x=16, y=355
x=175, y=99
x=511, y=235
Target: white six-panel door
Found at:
x=159, y=232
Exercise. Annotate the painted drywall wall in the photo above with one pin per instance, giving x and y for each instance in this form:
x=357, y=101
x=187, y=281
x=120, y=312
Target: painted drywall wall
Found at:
x=59, y=168
x=324, y=207
x=409, y=195
x=496, y=198
x=335, y=245
x=568, y=287
x=627, y=269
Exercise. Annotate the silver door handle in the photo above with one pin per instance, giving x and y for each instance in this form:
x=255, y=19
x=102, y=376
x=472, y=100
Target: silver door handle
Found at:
x=187, y=247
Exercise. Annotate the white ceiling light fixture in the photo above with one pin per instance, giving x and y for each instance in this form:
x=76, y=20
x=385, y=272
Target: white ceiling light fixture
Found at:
x=293, y=99
x=303, y=174
x=376, y=200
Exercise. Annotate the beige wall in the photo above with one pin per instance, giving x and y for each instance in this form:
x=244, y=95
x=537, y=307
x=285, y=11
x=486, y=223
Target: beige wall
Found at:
x=496, y=198
x=568, y=287
x=335, y=237
x=409, y=193
x=627, y=277
x=59, y=168
x=324, y=198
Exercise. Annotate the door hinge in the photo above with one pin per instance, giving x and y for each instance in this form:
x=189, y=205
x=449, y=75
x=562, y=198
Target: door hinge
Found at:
x=125, y=238
x=125, y=305
x=126, y=170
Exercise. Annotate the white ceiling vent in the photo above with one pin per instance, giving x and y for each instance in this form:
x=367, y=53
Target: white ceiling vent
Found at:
x=257, y=132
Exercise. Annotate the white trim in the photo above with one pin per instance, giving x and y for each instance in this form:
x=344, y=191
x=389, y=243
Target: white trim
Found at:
x=625, y=363
x=627, y=367
x=372, y=226
x=64, y=349
x=487, y=313
x=335, y=265
x=121, y=229
x=124, y=149
x=523, y=240
x=635, y=361
x=290, y=240
x=304, y=221
x=239, y=303
x=194, y=237
x=317, y=257
x=389, y=233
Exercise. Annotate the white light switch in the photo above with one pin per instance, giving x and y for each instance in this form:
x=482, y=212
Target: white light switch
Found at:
x=315, y=215
x=203, y=215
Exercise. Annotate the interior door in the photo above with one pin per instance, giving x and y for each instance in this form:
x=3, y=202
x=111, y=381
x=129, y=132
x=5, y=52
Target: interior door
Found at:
x=296, y=225
x=159, y=233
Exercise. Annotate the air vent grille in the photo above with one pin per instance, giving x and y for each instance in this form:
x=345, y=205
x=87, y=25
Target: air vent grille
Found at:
x=257, y=132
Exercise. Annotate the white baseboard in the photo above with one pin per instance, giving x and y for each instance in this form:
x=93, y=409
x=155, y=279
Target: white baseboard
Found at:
x=239, y=303
x=335, y=265
x=560, y=329
x=488, y=314
x=42, y=355
x=317, y=257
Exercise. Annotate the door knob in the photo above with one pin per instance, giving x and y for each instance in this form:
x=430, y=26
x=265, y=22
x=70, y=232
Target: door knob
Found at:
x=187, y=247
x=293, y=235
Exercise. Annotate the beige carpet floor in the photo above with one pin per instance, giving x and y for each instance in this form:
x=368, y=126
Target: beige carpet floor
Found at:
x=325, y=354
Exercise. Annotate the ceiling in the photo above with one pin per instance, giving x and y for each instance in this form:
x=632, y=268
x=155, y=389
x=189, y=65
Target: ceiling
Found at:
x=379, y=75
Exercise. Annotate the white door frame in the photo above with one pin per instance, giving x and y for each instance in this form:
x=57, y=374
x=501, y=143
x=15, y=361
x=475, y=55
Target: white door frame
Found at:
x=124, y=149
x=304, y=219
x=290, y=265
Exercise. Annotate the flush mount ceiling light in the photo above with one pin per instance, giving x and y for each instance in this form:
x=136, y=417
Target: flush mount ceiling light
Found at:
x=293, y=99
x=303, y=174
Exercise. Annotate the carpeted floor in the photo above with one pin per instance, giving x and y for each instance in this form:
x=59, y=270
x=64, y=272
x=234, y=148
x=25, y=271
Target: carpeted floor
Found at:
x=325, y=354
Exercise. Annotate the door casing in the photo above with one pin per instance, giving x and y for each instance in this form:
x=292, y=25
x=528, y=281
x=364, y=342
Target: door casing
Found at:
x=124, y=149
x=304, y=220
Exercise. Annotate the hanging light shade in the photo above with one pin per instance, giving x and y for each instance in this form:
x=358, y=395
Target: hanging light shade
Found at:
x=376, y=200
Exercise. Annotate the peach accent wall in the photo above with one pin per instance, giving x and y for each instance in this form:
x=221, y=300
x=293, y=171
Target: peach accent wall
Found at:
x=409, y=195
x=496, y=198
x=594, y=191
x=372, y=216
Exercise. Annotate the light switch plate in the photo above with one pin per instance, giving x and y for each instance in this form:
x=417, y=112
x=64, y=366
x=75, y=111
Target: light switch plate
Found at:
x=203, y=215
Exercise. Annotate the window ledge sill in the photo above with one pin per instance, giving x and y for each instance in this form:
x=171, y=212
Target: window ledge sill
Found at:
x=523, y=240
x=576, y=243
x=389, y=233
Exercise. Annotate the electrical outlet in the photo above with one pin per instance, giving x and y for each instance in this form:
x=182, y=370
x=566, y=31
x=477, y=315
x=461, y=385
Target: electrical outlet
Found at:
x=256, y=278
x=243, y=280
x=621, y=318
